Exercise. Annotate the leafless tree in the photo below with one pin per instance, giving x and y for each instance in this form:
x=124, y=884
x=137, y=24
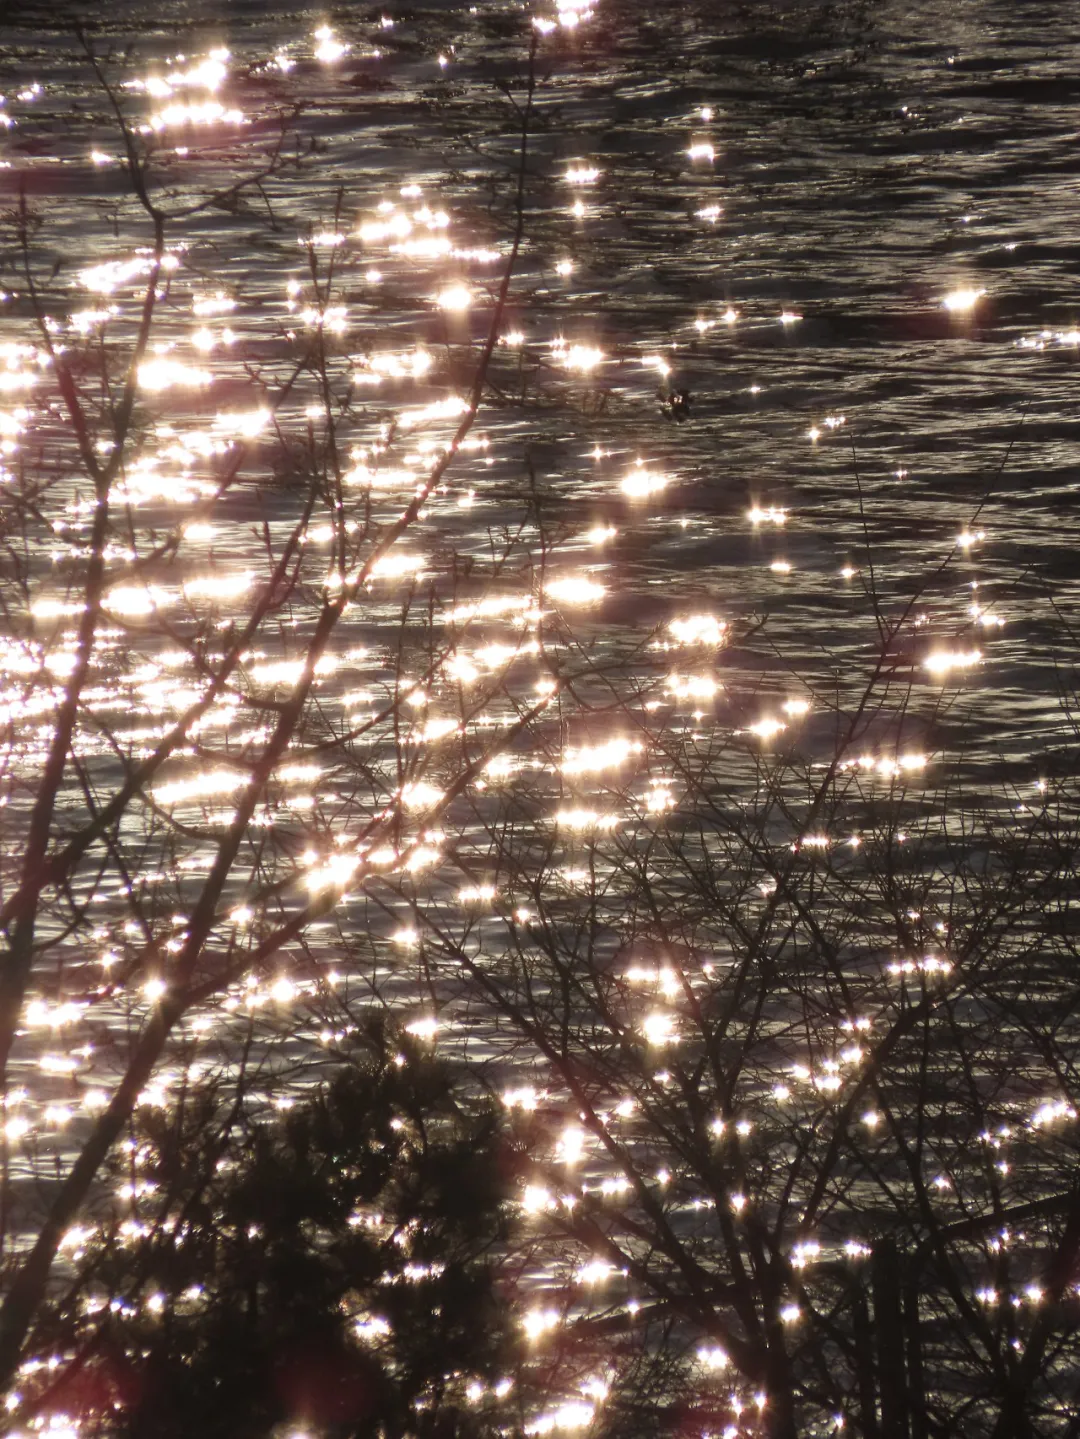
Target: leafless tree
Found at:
x=771, y=959
x=213, y=725
x=785, y=972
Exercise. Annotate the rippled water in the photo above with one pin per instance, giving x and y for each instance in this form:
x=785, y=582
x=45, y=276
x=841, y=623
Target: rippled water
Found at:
x=863, y=170
x=783, y=198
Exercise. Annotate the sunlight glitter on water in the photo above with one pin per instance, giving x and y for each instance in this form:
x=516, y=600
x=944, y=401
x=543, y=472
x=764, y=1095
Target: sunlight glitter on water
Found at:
x=960, y=302
x=178, y=472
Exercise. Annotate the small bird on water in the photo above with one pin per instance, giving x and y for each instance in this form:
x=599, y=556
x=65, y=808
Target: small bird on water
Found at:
x=675, y=404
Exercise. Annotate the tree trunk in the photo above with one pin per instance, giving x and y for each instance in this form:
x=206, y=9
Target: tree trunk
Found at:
x=916, y=1384
x=889, y=1334
x=780, y=1405
x=864, y=1361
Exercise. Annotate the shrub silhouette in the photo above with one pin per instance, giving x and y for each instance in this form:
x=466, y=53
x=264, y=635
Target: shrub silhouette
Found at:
x=334, y=1266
